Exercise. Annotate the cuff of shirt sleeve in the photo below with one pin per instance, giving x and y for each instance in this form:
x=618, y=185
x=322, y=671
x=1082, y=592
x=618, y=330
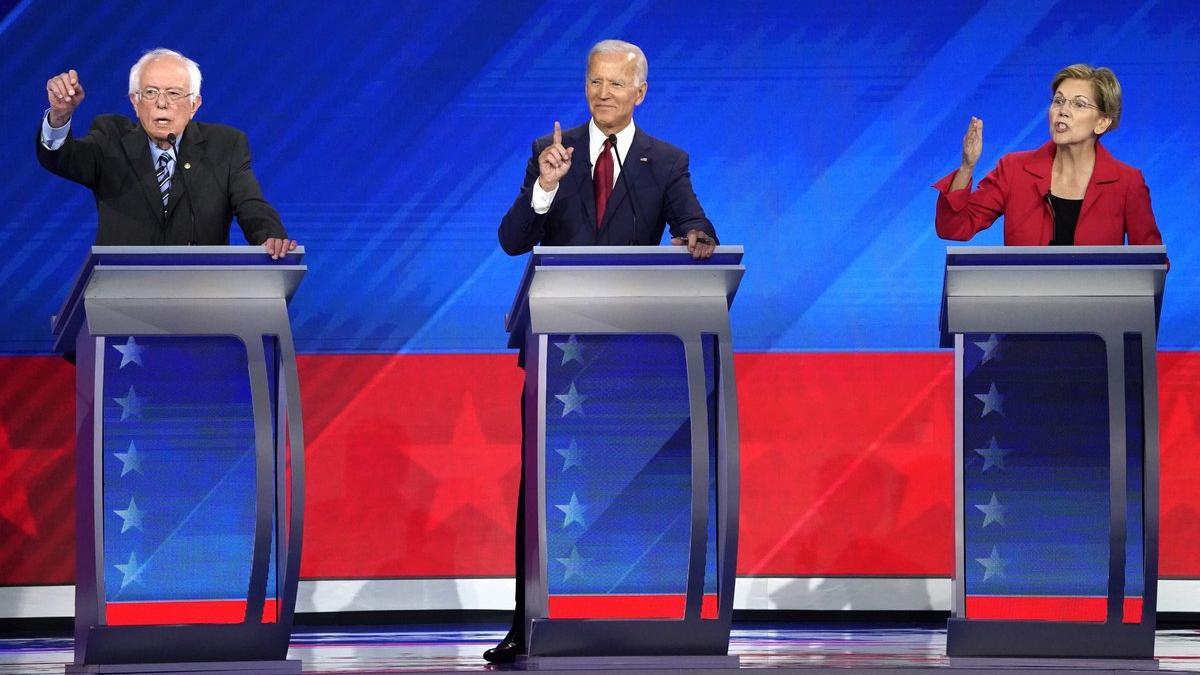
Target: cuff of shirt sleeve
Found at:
x=541, y=200
x=52, y=138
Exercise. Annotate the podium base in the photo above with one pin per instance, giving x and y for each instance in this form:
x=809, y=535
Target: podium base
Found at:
x=605, y=663
x=288, y=667
x=1048, y=639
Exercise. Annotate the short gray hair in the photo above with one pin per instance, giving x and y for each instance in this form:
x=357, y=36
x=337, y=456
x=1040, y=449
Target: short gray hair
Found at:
x=193, y=70
x=641, y=68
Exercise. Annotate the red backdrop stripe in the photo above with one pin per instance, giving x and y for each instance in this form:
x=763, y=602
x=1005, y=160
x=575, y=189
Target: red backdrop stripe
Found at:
x=412, y=465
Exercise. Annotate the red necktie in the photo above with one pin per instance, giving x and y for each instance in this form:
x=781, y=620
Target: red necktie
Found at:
x=602, y=181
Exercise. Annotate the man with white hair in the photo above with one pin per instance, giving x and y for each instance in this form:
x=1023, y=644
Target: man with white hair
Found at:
x=577, y=192
x=574, y=193
x=164, y=179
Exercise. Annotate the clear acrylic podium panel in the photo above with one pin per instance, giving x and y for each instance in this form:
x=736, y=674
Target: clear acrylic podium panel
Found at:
x=1036, y=503
x=618, y=482
x=178, y=481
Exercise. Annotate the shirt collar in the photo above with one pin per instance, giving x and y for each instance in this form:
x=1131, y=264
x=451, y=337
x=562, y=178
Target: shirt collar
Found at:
x=156, y=152
x=596, y=140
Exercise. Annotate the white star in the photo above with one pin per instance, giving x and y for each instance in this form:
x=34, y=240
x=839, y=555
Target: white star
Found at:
x=131, y=352
x=993, y=565
x=570, y=455
x=130, y=461
x=572, y=351
x=991, y=348
x=131, y=404
x=131, y=570
x=131, y=517
x=572, y=564
x=572, y=511
x=572, y=400
x=993, y=511
x=993, y=455
x=992, y=401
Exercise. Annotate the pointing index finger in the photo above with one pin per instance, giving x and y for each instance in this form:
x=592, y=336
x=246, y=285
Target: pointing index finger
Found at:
x=557, y=133
x=74, y=76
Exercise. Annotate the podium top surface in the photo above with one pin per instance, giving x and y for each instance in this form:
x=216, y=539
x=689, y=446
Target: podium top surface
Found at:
x=621, y=271
x=1037, y=271
x=630, y=255
x=957, y=256
x=1023, y=273
x=175, y=272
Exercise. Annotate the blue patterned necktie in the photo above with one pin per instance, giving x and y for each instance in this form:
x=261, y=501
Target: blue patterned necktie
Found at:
x=164, y=177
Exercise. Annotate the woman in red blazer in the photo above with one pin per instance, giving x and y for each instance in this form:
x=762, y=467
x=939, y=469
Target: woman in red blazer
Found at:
x=1069, y=191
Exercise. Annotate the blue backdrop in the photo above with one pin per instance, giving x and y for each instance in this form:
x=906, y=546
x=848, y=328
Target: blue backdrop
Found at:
x=393, y=135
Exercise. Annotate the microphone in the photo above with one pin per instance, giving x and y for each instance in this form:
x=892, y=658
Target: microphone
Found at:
x=179, y=171
x=612, y=140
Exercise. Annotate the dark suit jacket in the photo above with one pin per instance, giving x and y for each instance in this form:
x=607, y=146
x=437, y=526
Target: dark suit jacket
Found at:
x=1116, y=203
x=658, y=175
x=113, y=160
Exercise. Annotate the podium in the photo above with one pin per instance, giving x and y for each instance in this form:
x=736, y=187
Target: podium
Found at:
x=189, y=459
x=1056, y=449
x=630, y=451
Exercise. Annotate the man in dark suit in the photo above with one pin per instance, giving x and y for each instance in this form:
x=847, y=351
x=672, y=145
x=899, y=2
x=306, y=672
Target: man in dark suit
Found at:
x=563, y=203
x=164, y=179
x=574, y=194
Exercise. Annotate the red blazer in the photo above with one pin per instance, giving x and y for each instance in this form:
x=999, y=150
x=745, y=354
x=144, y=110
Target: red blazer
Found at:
x=1115, y=205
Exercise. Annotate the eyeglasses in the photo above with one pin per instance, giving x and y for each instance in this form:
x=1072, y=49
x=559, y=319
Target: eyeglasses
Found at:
x=172, y=95
x=1077, y=104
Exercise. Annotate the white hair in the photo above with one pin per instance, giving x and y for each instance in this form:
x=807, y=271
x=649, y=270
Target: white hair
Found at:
x=641, y=68
x=193, y=70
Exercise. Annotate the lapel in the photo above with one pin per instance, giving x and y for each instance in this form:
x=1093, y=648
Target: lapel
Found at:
x=136, y=145
x=1103, y=173
x=580, y=173
x=190, y=150
x=1041, y=165
x=632, y=167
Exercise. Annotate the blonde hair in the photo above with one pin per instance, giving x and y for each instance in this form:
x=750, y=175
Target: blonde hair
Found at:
x=1105, y=84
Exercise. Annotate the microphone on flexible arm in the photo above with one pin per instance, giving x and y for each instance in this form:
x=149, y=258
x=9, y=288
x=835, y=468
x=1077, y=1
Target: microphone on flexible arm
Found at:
x=179, y=171
x=612, y=140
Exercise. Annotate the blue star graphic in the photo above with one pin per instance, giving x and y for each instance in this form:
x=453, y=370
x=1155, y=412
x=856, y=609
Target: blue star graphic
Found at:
x=991, y=349
x=130, y=461
x=993, y=455
x=993, y=511
x=572, y=351
x=131, y=352
x=572, y=400
x=572, y=564
x=131, y=404
x=572, y=511
x=993, y=565
x=992, y=401
x=131, y=517
x=131, y=571
x=570, y=455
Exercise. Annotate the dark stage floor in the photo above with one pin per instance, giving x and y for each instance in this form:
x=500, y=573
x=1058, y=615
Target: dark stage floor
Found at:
x=782, y=647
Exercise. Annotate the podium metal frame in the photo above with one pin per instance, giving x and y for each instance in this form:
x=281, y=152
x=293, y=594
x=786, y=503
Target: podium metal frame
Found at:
x=234, y=291
x=1108, y=291
x=633, y=290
